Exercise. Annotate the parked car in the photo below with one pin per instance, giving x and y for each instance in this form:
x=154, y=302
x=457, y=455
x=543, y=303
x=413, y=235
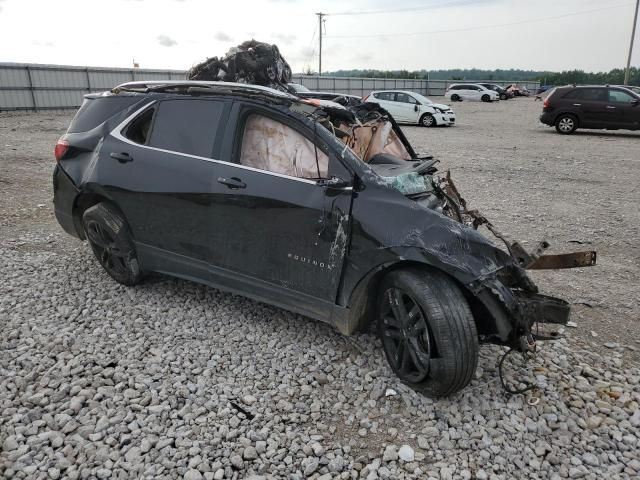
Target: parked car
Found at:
x=341, y=98
x=411, y=107
x=518, y=90
x=325, y=211
x=470, y=91
x=591, y=106
x=504, y=94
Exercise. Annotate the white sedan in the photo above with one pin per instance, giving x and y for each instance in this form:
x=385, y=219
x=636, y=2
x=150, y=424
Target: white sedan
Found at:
x=471, y=91
x=411, y=107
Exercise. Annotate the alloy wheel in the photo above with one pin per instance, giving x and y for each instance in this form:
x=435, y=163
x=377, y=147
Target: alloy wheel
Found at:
x=405, y=335
x=108, y=252
x=566, y=124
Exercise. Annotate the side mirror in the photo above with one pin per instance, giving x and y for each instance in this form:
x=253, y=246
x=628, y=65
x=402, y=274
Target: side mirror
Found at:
x=416, y=108
x=334, y=183
x=635, y=103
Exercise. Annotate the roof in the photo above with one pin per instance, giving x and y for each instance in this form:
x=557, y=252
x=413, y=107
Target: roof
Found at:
x=147, y=86
x=409, y=92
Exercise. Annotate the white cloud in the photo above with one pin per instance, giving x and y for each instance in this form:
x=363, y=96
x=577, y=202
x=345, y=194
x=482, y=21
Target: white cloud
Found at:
x=166, y=41
x=222, y=37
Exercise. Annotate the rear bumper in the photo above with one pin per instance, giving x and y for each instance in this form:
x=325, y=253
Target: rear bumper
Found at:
x=64, y=197
x=547, y=118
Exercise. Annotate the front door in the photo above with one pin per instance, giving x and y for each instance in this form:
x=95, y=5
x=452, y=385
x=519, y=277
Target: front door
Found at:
x=624, y=109
x=276, y=223
x=406, y=104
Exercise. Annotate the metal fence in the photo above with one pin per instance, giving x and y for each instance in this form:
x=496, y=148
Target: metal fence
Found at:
x=363, y=86
x=44, y=87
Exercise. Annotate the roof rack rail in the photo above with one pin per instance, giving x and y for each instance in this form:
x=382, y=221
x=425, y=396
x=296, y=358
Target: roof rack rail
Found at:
x=164, y=85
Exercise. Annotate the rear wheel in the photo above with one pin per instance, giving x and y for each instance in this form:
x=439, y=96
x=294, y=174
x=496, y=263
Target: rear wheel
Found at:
x=112, y=244
x=566, y=124
x=455, y=97
x=486, y=98
x=427, y=120
x=427, y=331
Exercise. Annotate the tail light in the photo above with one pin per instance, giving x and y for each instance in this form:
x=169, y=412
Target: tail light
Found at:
x=61, y=148
x=545, y=104
x=364, y=99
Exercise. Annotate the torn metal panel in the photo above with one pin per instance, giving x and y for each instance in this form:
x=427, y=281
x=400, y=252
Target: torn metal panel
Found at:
x=564, y=260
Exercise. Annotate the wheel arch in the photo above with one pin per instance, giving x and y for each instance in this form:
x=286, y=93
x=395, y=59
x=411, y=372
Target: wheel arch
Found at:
x=362, y=302
x=567, y=112
x=86, y=200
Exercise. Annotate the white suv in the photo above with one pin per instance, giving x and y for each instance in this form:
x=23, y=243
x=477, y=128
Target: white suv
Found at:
x=470, y=91
x=411, y=107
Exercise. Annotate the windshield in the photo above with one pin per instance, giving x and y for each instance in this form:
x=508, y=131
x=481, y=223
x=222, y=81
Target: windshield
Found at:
x=421, y=98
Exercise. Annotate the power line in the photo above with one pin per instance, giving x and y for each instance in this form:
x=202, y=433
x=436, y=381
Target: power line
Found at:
x=481, y=27
x=406, y=9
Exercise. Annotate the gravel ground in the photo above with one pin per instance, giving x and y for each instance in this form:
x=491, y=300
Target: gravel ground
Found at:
x=176, y=380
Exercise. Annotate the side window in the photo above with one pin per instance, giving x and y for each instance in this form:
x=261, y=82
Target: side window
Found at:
x=388, y=96
x=618, y=96
x=404, y=98
x=268, y=144
x=187, y=126
x=591, y=94
x=138, y=130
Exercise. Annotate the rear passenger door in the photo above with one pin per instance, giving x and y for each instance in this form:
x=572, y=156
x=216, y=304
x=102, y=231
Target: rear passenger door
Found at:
x=591, y=103
x=387, y=101
x=158, y=169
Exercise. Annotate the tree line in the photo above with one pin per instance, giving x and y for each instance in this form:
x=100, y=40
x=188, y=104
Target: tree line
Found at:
x=613, y=77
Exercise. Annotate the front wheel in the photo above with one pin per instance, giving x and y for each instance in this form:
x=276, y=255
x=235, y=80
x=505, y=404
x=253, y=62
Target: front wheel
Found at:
x=427, y=330
x=566, y=124
x=427, y=120
x=455, y=98
x=503, y=96
x=111, y=242
x=486, y=98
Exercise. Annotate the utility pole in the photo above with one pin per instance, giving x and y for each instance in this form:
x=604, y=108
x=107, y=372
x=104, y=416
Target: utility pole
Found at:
x=633, y=34
x=320, y=15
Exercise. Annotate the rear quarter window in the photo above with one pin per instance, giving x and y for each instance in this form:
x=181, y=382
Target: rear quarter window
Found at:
x=187, y=126
x=95, y=111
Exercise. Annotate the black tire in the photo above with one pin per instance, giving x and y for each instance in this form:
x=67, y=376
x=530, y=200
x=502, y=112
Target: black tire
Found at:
x=437, y=340
x=485, y=98
x=566, y=123
x=455, y=98
x=112, y=244
x=427, y=120
x=503, y=96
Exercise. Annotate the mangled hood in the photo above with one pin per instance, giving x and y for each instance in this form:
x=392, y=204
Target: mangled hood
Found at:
x=440, y=106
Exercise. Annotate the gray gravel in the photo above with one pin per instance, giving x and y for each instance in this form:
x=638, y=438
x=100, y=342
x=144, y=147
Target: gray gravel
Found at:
x=172, y=379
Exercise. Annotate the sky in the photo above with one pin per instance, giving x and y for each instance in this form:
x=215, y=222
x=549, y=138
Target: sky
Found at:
x=591, y=35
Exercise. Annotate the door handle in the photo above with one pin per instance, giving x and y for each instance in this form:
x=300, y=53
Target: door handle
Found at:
x=577, y=104
x=232, y=182
x=611, y=107
x=123, y=157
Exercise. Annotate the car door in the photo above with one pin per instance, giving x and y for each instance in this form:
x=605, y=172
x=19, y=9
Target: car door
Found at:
x=387, y=101
x=406, y=105
x=274, y=223
x=157, y=169
x=591, y=103
x=623, y=108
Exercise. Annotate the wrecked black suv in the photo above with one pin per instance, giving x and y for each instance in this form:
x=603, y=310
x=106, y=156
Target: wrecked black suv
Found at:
x=317, y=208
